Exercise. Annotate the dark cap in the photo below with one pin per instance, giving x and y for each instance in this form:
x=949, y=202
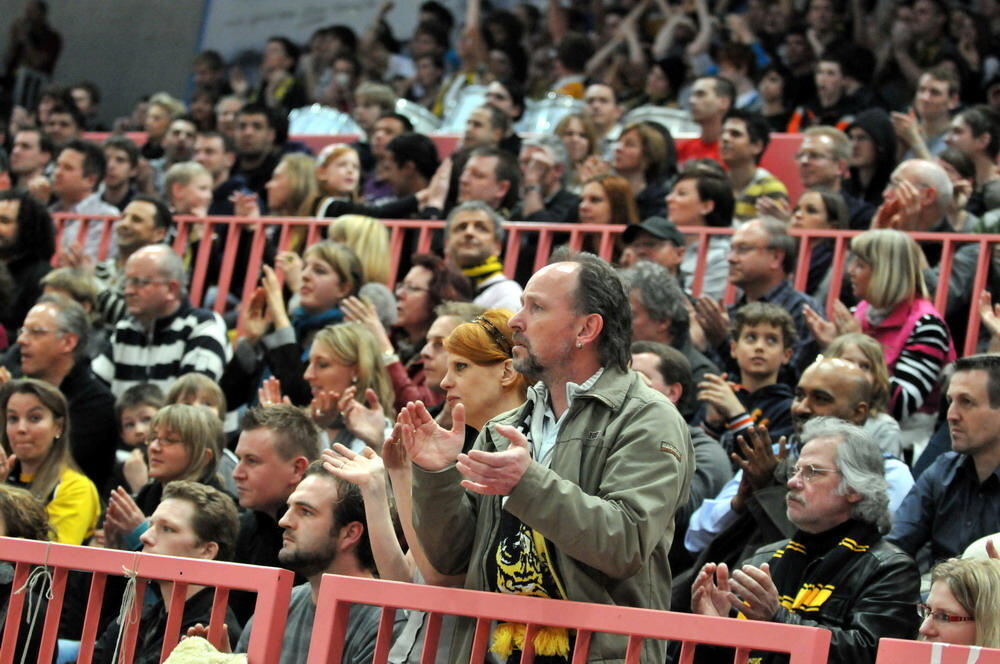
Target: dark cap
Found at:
x=657, y=227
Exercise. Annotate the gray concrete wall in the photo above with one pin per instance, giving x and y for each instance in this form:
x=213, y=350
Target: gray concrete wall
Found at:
x=127, y=47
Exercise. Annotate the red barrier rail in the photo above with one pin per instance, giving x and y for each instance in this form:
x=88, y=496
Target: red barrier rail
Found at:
x=273, y=587
x=895, y=651
x=805, y=645
x=542, y=236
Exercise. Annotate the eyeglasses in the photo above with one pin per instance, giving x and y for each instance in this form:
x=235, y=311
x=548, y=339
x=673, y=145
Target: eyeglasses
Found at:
x=410, y=288
x=811, y=156
x=741, y=249
x=162, y=442
x=925, y=612
x=811, y=472
x=35, y=332
x=142, y=282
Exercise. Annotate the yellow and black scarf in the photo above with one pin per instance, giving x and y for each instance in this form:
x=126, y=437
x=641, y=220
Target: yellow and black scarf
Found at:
x=480, y=273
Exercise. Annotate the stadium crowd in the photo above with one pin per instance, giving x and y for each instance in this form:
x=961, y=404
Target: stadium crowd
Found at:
x=599, y=430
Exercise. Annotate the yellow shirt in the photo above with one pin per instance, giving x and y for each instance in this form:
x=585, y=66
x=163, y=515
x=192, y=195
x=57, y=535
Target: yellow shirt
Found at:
x=74, y=508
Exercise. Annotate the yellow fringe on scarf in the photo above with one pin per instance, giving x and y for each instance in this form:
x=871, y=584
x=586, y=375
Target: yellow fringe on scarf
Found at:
x=549, y=641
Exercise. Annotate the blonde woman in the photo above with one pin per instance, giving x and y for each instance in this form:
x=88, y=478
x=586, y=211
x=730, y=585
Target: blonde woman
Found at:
x=184, y=444
x=962, y=607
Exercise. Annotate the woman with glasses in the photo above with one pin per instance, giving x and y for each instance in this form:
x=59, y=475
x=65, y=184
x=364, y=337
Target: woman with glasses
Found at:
x=276, y=336
x=428, y=283
x=35, y=455
x=962, y=607
x=184, y=444
x=885, y=273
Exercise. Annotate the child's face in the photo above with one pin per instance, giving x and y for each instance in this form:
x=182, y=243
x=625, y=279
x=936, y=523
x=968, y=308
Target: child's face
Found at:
x=760, y=350
x=854, y=355
x=202, y=398
x=135, y=424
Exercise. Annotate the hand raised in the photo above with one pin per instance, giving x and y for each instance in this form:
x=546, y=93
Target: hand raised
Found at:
x=429, y=446
x=496, y=473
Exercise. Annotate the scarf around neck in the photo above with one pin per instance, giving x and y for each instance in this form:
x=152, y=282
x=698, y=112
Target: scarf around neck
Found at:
x=480, y=273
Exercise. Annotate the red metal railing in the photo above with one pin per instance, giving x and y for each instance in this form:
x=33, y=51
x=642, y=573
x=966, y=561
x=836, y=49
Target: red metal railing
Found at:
x=273, y=587
x=805, y=645
x=544, y=235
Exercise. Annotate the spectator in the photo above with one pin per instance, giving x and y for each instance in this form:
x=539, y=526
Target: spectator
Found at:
x=30, y=156
x=161, y=112
x=64, y=124
x=608, y=199
x=656, y=240
x=79, y=169
x=121, y=157
x=883, y=583
x=959, y=609
x=579, y=134
x=604, y=112
x=976, y=133
x=957, y=499
x=256, y=145
x=217, y=153
x=459, y=540
x=645, y=156
x=164, y=336
x=279, y=88
x=710, y=99
x=873, y=155
x=702, y=196
x=544, y=196
x=745, y=137
x=184, y=444
x=36, y=430
x=937, y=96
x=819, y=208
x=473, y=237
x=885, y=275
x=660, y=315
x=52, y=347
x=192, y=521
x=27, y=242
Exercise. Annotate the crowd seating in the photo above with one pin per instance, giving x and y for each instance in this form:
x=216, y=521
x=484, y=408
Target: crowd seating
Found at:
x=273, y=587
x=542, y=236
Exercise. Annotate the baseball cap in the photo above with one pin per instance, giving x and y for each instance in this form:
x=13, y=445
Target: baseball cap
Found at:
x=659, y=227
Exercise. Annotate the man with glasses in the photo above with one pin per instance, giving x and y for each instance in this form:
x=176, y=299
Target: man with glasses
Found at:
x=823, y=160
x=163, y=336
x=750, y=510
x=836, y=571
x=52, y=346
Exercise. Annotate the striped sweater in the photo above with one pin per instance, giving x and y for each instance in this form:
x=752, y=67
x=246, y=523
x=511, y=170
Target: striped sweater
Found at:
x=189, y=340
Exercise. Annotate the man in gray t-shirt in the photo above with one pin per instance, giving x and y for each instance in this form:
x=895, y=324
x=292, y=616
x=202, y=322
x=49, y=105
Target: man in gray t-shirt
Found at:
x=325, y=533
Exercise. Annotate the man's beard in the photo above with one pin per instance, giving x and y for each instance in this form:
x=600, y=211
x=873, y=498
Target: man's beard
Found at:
x=307, y=563
x=529, y=367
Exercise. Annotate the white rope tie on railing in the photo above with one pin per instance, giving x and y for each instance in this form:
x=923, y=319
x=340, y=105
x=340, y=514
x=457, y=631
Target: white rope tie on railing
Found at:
x=125, y=611
x=38, y=586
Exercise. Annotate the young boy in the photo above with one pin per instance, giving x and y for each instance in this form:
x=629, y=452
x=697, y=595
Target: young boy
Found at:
x=135, y=409
x=764, y=340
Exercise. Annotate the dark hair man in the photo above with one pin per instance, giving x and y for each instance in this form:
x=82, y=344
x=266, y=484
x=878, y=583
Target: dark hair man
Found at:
x=79, y=169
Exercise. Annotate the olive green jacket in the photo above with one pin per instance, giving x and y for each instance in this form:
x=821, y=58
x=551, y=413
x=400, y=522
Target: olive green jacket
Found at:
x=621, y=467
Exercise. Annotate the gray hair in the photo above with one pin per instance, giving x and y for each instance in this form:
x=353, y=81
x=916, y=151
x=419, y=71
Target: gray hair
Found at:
x=71, y=318
x=930, y=174
x=169, y=265
x=861, y=466
x=662, y=296
x=477, y=206
x=779, y=239
x=556, y=149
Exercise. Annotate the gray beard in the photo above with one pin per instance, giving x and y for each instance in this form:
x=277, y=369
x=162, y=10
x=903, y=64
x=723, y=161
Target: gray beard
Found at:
x=529, y=367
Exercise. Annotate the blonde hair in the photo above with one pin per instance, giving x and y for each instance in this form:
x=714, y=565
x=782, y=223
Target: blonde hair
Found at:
x=369, y=239
x=487, y=340
x=872, y=350
x=896, y=261
x=173, y=106
x=353, y=344
x=59, y=457
x=342, y=260
x=191, y=384
x=200, y=432
x=975, y=583
x=303, y=188
x=182, y=174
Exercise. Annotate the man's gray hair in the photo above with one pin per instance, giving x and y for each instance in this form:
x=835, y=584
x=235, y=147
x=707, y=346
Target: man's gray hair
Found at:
x=553, y=145
x=662, y=296
x=930, y=174
x=477, y=206
x=861, y=466
x=73, y=319
x=170, y=265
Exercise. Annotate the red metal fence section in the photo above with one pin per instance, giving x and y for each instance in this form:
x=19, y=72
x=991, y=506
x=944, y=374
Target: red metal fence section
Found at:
x=806, y=645
x=273, y=587
x=542, y=236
